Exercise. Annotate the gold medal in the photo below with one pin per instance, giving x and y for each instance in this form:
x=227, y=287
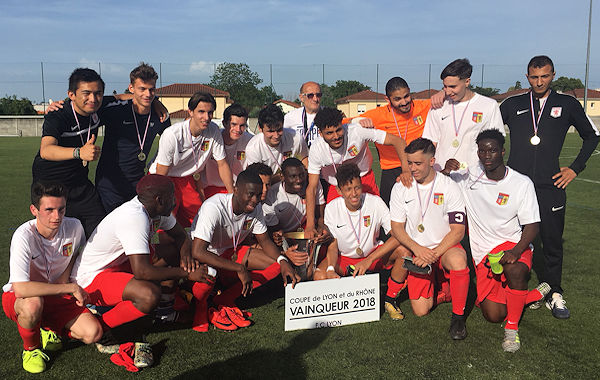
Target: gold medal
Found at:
x=463, y=165
x=455, y=143
x=359, y=251
x=142, y=156
x=196, y=176
x=535, y=140
x=420, y=228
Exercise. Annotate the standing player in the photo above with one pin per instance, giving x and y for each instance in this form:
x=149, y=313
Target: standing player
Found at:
x=429, y=219
x=275, y=143
x=38, y=293
x=115, y=268
x=183, y=152
x=302, y=119
x=235, y=139
x=339, y=143
x=538, y=122
x=67, y=145
x=130, y=129
x=464, y=114
x=503, y=217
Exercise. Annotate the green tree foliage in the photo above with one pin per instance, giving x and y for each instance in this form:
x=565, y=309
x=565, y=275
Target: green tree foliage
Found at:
x=485, y=91
x=10, y=105
x=340, y=89
x=517, y=86
x=566, y=84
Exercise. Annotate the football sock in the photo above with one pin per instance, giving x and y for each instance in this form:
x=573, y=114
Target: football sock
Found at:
x=201, y=292
x=259, y=277
x=515, y=301
x=533, y=295
x=394, y=287
x=459, y=288
x=31, y=337
x=122, y=313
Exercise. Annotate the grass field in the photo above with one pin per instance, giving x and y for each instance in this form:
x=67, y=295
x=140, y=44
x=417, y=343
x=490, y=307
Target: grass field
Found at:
x=412, y=348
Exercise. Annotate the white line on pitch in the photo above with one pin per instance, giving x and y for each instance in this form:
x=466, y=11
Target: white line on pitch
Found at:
x=587, y=180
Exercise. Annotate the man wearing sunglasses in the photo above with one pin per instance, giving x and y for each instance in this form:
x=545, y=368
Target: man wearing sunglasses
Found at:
x=302, y=119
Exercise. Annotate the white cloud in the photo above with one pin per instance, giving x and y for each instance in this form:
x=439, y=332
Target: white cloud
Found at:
x=203, y=67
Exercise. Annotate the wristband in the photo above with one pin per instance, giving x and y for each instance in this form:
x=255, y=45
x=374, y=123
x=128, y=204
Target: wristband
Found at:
x=280, y=258
x=76, y=153
x=330, y=268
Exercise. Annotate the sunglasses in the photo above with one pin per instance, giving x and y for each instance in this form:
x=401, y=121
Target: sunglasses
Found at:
x=311, y=95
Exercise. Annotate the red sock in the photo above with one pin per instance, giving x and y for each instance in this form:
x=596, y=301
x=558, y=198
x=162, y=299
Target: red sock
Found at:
x=201, y=292
x=122, y=313
x=459, y=288
x=533, y=295
x=394, y=287
x=515, y=301
x=31, y=337
x=259, y=277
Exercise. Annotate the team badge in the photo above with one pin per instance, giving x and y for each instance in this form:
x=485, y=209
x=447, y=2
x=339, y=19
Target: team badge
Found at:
x=438, y=198
x=353, y=150
x=247, y=224
x=287, y=154
x=367, y=220
x=555, y=112
x=204, y=146
x=241, y=154
x=418, y=120
x=67, y=249
x=95, y=118
x=477, y=117
x=502, y=199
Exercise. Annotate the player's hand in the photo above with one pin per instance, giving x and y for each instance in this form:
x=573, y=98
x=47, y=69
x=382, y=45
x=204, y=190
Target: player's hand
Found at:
x=564, y=177
x=323, y=236
x=296, y=257
x=246, y=281
x=420, y=262
x=81, y=296
x=451, y=165
x=366, y=122
x=90, y=152
x=278, y=238
x=287, y=273
x=437, y=99
x=160, y=110
x=188, y=264
x=510, y=257
x=201, y=275
x=425, y=255
x=331, y=274
x=406, y=179
x=361, y=267
x=310, y=232
x=55, y=106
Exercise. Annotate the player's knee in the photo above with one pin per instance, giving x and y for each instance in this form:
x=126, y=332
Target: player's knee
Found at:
x=421, y=309
x=31, y=308
x=147, y=297
x=493, y=316
x=516, y=272
x=92, y=333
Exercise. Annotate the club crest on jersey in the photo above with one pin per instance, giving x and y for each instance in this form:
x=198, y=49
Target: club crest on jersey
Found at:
x=367, y=220
x=67, y=249
x=418, y=120
x=438, y=198
x=502, y=199
x=477, y=117
x=241, y=154
x=555, y=112
x=247, y=224
x=204, y=146
x=287, y=154
x=353, y=150
x=95, y=118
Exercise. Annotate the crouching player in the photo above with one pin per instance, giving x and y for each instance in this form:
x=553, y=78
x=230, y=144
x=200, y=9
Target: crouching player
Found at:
x=222, y=224
x=38, y=295
x=503, y=217
x=354, y=220
x=429, y=219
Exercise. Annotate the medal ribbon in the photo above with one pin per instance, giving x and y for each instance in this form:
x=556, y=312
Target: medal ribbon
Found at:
x=272, y=155
x=356, y=235
x=137, y=131
x=79, y=128
x=196, y=156
x=533, y=120
x=421, y=212
x=396, y=122
x=40, y=242
x=457, y=128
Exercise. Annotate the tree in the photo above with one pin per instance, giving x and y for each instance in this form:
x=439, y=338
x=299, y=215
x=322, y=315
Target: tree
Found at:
x=485, y=91
x=566, y=84
x=10, y=105
x=517, y=86
x=239, y=81
x=268, y=95
x=340, y=89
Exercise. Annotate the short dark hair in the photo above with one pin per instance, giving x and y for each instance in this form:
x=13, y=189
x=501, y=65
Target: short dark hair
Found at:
x=201, y=97
x=248, y=176
x=460, y=68
x=540, y=61
x=491, y=134
x=328, y=117
x=235, y=109
x=394, y=84
x=153, y=185
x=82, y=74
x=270, y=115
x=420, y=144
x=43, y=189
x=346, y=173
x=260, y=168
x=144, y=72
x=291, y=162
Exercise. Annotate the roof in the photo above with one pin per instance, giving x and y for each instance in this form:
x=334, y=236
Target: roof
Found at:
x=508, y=94
x=579, y=92
x=366, y=95
x=291, y=104
x=181, y=114
x=189, y=89
x=425, y=94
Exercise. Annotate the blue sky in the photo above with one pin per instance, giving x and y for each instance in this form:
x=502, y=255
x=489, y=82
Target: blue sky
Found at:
x=296, y=38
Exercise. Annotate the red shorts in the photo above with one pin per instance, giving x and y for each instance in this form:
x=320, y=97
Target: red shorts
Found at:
x=492, y=286
x=209, y=191
x=58, y=310
x=188, y=200
x=108, y=285
x=241, y=253
x=344, y=261
x=368, y=186
x=423, y=285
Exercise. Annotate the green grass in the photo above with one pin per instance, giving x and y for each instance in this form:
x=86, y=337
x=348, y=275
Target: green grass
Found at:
x=413, y=348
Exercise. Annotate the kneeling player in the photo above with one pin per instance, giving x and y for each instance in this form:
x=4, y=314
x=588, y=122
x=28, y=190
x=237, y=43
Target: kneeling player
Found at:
x=429, y=219
x=38, y=293
x=503, y=217
x=354, y=220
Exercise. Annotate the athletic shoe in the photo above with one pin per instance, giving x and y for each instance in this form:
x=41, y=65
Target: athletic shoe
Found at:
x=108, y=344
x=34, y=361
x=558, y=306
x=50, y=341
x=143, y=355
x=393, y=310
x=236, y=316
x=511, y=342
x=220, y=320
x=544, y=289
x=458, y=328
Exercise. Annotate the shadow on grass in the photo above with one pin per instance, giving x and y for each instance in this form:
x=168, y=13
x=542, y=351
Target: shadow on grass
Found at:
x=288, y=362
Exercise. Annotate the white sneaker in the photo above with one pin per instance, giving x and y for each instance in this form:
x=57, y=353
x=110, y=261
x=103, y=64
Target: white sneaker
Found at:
x=558, y=306
x=511, y=342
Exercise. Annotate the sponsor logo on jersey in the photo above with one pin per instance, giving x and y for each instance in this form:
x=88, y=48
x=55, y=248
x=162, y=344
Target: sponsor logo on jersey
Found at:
x=205, y=145
x=418, y=120
x=247, y=224
x=67, y=249
x=438, y=198
x=367, y=220
x=287, y=154
x=241, y=154
x=502, y=199
x=477, y=117
x=555, y=112
x=353, y=150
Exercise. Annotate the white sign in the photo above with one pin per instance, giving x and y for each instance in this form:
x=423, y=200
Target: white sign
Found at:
x=332, y=303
